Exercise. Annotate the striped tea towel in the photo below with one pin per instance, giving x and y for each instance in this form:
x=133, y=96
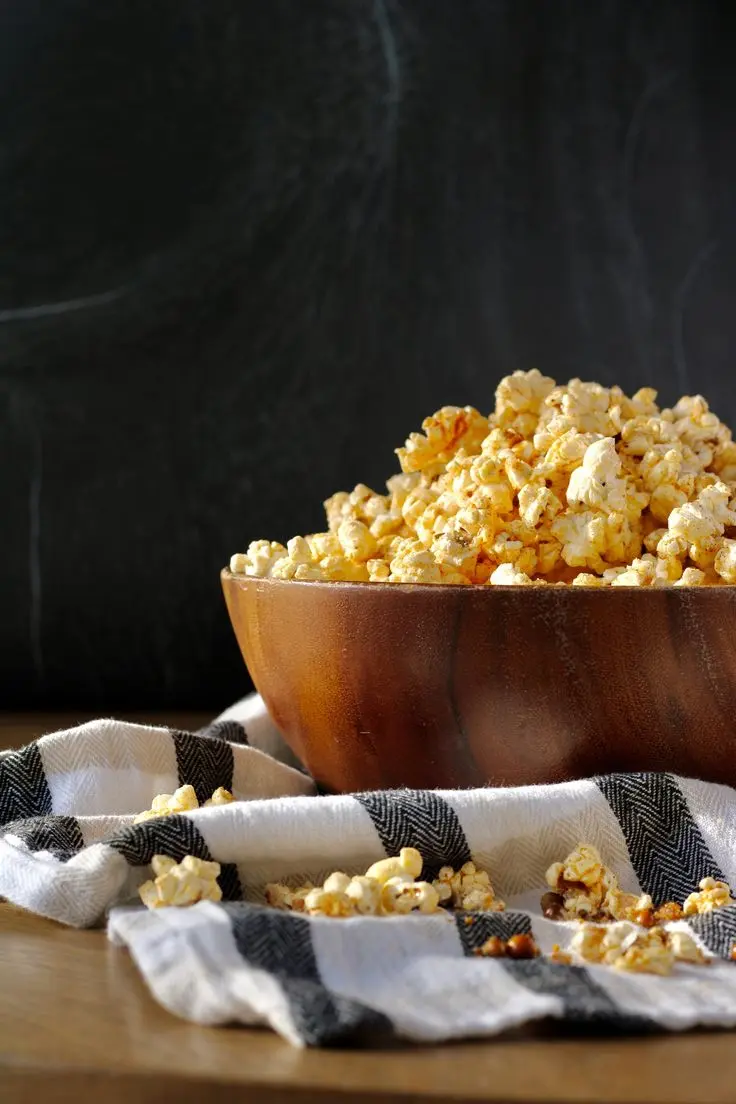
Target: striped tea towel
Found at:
x=69, y=850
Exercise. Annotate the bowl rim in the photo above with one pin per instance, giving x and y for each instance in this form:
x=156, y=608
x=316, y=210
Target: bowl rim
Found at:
x=226, y=575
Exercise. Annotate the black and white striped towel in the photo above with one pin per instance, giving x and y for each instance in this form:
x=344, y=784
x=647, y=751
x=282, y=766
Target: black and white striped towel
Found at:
x=69, y=850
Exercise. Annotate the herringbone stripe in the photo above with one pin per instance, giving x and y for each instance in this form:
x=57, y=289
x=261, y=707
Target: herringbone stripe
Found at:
x=175, y=836
x=230, y=731
x=667, y=849
x=204, y=764
x=280, y=943
x=717, y=929
x=23, y=788
x=421, y=819
x=58, y=834
x=474, y=928
x=584, y=1001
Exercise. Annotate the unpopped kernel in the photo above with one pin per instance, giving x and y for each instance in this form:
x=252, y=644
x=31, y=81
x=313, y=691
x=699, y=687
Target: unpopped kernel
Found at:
x=572, y=484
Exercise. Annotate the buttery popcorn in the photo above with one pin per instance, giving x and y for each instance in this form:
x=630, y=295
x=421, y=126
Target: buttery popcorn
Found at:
x=468, y=889
x=389, y=887
x=624, y=946
x=712, y=895
x=182, y=800
x=577, y=484
x=179, y=884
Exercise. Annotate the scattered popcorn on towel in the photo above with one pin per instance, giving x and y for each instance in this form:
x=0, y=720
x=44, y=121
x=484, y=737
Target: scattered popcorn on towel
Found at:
x=389, y=887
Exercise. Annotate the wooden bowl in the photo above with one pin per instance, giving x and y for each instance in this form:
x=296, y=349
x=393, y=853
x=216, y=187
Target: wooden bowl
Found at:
x=378, y=685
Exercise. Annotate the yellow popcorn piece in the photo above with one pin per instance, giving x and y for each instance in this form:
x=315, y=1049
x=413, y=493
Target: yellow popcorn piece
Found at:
x=221, y=796
x=627, y=947
x=181, y=801
x=568, y=484
x=585, y=885
x=181, y=884
x=468, y=889
x=711, y=895
x=443, y=434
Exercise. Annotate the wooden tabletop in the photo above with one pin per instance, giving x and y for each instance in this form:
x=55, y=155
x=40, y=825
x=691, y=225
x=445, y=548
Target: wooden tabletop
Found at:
x=76, y=1020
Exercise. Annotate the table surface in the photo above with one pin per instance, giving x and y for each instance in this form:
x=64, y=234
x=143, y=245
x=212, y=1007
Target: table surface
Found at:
x=76, y=1019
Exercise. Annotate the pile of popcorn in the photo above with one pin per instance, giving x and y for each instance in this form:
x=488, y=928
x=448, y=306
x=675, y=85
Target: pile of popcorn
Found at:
x=560, y=484
x=389, y=887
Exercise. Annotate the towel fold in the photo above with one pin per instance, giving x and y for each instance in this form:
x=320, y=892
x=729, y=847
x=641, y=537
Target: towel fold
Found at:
x=69, y=850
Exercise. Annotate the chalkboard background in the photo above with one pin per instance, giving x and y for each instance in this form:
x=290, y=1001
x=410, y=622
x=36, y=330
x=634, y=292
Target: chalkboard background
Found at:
x=245, y=247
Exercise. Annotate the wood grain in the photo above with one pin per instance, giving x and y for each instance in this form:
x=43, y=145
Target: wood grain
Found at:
x=76, y=1020
x=379, y=686
x=77, y=1023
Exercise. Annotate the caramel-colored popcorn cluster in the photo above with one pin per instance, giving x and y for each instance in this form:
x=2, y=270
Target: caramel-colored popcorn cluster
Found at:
x=389, y=887
x=583, y=888
x=625, y=946
x=577, y=484
x=182, y=800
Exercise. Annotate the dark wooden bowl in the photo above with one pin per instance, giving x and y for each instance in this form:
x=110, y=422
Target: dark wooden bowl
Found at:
x=376, y=685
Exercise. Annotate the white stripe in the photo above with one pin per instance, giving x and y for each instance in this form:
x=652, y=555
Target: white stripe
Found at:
x=75, y=893
x=192, y=965
x=712, y=808
x=413, y=970
x=517, y=833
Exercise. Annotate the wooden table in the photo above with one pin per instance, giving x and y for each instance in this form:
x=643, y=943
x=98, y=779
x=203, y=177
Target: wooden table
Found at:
x=77, y=1021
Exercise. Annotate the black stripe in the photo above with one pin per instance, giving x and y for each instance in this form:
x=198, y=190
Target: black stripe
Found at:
x=60, y=835
x=280, y=943
x=717, y=929
x=666, y=847
x=420, y=819
x=474, y=928
x=24, y=791
x=230, y=731
x=175, y=836
x=203, y=763
x=584, y=1001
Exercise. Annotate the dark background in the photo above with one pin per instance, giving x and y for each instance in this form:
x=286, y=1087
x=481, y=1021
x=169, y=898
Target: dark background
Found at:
x=245, y=247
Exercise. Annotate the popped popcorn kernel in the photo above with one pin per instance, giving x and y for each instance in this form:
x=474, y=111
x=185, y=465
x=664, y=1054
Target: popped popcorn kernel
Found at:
x=468, y=889
x=711, y=895
x=567, y=484
x=443, y=434
x=181, y=801
x=180, y=884
x=584, y=885
x=221, y=796
x=624, y=947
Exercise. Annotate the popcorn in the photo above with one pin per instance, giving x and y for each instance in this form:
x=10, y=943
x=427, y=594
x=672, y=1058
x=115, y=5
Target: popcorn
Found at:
x=179, y=884
x=725, y=560
x=468, y=889
x=585, y=886
x=444, y=433
x=712, y=895
x=566, y=484
x=221, y=796
x=182, y=800
x=626, y=947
